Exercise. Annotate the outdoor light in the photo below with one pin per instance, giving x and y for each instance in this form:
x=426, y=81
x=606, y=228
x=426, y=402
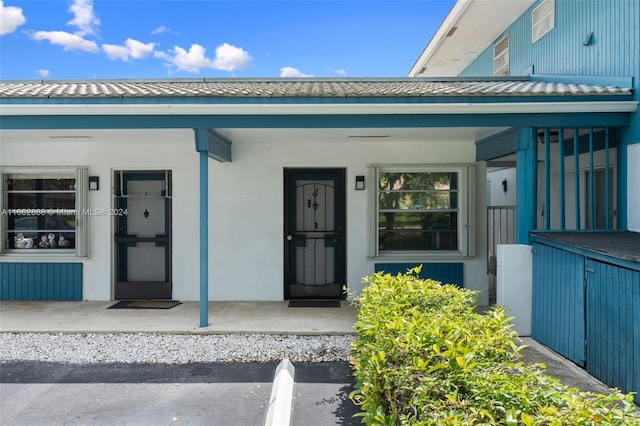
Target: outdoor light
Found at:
x=359, y=183
x=94, y=183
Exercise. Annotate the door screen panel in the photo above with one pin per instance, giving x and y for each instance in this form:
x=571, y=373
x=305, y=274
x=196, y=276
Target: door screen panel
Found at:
x=143, y=235
x=314, y=252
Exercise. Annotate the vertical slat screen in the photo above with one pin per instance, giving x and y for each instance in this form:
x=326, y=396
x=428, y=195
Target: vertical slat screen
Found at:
x=576, y=168
x=558, y=301
x=41, y=281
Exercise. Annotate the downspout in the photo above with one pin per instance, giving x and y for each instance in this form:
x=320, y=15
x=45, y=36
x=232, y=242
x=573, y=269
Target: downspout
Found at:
x=527, y=182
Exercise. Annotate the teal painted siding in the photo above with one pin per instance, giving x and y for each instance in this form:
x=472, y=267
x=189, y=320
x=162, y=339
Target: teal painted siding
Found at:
x=615, y=51
x=613, y=327
x=558, y=301
x=41, y=281
x=482, y=66
x=446, y=273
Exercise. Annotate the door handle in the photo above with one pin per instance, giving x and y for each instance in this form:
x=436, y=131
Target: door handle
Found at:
x=289, y=237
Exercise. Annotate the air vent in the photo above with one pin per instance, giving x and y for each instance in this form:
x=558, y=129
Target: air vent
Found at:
x=543, y=19
x=501, y=57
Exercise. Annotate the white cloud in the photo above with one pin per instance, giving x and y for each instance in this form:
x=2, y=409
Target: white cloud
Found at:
x=228, y=58
x=192, y=60
x=67, y=40
x=341, y=72
x=11, y=17
x=162, y=29
x=43, y=73
x=132, y=49
x=292, y=72
x=114, y=51
x=84, y=18
x=231, y=58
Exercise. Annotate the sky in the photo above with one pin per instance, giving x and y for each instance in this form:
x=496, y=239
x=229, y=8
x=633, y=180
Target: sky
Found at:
x=152, y=39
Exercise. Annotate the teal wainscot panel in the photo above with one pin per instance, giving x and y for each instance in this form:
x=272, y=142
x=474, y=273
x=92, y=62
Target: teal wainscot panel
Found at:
x=446, y=273
x=40, y=281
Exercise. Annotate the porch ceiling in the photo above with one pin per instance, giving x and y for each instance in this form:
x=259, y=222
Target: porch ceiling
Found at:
x=371, y=135
x=377, y=135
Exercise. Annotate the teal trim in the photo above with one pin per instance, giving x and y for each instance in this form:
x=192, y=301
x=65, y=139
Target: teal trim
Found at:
x=498, y=145
x=40, y=281
x=576, y=166
x=319, y=121
x=214, y=144
x=219, y=147
x=592, y=80
x=547, y=180
x=526, y=178
x=623, y=192
x=561, y=180
x=204, y=239
x=201, y=139
x=592, y=199
x=446, y=273
x=606, y=178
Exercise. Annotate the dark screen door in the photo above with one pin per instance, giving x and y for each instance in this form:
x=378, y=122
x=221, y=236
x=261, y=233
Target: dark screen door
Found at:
x=143, y=234
x=314, y=229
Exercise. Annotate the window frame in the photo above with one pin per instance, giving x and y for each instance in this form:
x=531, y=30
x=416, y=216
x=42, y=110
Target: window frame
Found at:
x=537, y=21
x=466, y=211
x=81, y=176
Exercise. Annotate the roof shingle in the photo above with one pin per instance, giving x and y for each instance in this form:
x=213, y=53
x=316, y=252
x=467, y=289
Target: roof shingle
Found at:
x=302, y=88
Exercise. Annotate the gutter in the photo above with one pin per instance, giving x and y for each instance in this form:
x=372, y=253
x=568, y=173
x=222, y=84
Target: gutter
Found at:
x=322, y=109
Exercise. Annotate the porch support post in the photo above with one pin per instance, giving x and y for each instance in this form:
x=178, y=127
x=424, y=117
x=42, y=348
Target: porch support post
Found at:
x=204, y=239
x=527, y=182
x=202, y=147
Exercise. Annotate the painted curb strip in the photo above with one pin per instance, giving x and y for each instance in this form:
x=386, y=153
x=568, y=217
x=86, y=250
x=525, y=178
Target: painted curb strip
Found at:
x=279, y=413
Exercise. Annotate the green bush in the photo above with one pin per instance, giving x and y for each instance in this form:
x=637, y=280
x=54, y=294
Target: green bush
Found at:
x=422, y=356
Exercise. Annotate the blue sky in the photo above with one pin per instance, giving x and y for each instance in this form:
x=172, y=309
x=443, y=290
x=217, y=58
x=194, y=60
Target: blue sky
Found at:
x=107, y=39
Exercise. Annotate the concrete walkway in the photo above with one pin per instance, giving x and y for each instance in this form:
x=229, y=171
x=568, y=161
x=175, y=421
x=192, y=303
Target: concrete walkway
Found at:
x=224, y=318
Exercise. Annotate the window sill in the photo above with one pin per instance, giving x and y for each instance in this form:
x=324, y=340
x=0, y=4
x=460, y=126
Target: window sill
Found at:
x=39, y=255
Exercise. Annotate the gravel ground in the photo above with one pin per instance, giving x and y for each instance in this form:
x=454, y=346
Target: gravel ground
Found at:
x=171, y=348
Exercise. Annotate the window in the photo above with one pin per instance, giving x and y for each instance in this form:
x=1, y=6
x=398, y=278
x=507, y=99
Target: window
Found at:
x=501, y=57
x=542, y=19
x=40, y=210
x=420, y=209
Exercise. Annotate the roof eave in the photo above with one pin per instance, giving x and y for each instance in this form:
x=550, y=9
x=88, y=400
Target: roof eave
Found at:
x=160, y=109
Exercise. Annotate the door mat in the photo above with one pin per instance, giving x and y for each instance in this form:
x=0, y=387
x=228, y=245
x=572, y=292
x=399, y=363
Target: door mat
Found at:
x=314, y=303
x=145, y=304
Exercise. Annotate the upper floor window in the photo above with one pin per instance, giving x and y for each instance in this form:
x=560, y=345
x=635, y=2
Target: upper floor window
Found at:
x=421, y=209
x=543, y=19
x=501, y=57
x=40, y=210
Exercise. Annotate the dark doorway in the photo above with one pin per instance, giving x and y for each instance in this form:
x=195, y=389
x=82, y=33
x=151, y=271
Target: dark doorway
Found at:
x=314, y=231
x=143, y=234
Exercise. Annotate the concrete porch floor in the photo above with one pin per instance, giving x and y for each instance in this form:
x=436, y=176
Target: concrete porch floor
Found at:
x=224, y=317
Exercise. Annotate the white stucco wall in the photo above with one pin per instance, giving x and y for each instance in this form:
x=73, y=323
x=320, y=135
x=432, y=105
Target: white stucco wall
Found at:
x=245, y=202
x=497, y=196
